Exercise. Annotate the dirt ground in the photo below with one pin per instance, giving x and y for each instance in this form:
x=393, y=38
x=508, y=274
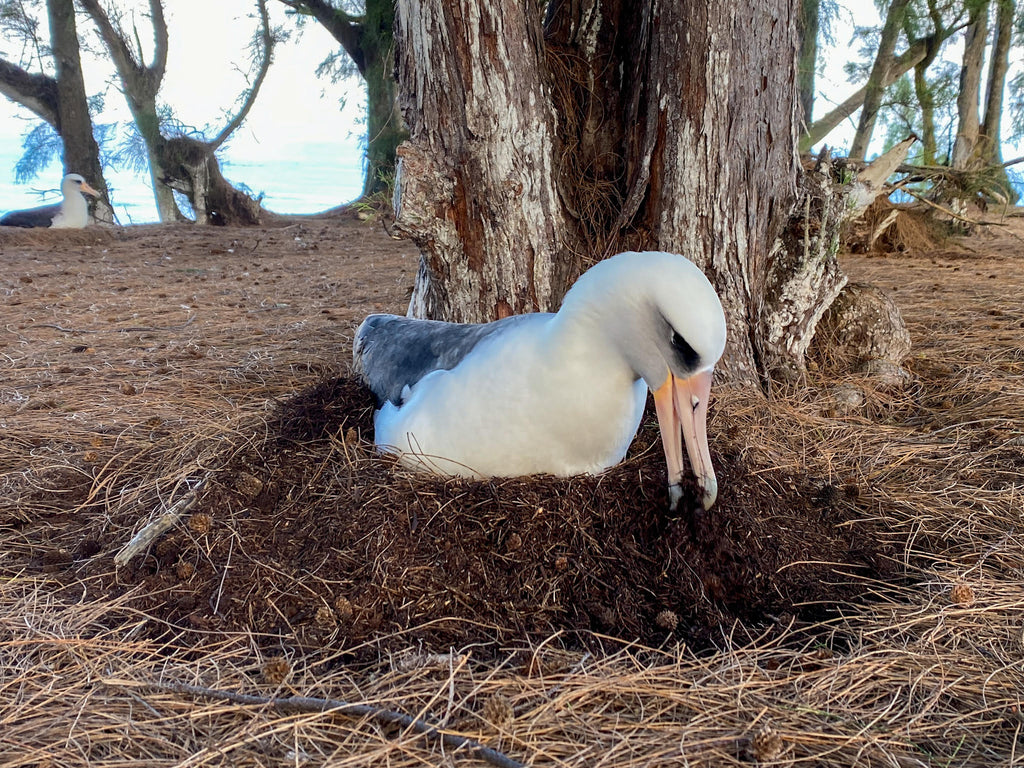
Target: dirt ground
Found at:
x=140, y=363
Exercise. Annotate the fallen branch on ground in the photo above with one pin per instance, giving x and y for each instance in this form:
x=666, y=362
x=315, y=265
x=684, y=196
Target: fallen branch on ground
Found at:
x=334, y=706
x=165, y=522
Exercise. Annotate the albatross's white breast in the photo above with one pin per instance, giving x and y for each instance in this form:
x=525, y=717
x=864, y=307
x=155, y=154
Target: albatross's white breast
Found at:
x=519, y=404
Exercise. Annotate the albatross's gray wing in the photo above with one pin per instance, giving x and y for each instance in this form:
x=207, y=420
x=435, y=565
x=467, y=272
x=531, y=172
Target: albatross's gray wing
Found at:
x=32, y=217
x=391, y=352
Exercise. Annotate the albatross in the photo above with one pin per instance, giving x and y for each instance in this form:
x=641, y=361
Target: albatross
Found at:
x=70, y=213
x=563, y=393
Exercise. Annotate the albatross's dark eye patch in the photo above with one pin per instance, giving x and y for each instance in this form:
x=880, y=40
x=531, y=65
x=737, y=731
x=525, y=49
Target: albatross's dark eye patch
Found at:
x=686, y=353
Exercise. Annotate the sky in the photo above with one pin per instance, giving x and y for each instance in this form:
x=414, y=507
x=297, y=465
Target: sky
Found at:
x=299, y=145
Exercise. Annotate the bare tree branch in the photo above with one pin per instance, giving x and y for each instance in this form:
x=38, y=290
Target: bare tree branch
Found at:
x=114, y=40
x=35, y=92
x=267, y=52
x=345, y=28
x=159, y=65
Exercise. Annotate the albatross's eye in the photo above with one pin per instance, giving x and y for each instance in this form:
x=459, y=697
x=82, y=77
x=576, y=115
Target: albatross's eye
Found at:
x=686, y=353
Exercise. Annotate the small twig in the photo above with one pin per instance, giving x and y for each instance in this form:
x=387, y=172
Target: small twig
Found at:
x=132, y=329
x=165, y=522
x=938, y=207
x=334, y=706
x=223, y=577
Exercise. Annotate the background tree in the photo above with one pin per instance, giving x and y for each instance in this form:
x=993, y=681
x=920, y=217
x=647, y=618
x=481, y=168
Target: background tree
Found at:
x=365, y=31
x=968, y=132
x=879, y=78
x=58, y=98
x=536, y=149
x=81, y=151
x=991, y=140
x=926, y=30
x=810, y=26
x=178, y=161
x=931, y=93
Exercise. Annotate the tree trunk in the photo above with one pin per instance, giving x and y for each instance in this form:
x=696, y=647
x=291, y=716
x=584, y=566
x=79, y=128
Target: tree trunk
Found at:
x=723, y=180
x=926, y=100
x=965, y=147
x=669, y=125
x=81, y=152
x=191, y=167
x=875, y=88
x=148, y=124
x=384, y=127
x=991, y=136
x=475, y=187
x=810, y=11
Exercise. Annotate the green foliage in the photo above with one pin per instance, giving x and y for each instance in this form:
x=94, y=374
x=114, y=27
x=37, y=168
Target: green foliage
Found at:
x=828, y=16
x=20, y=41
x=857, y=70
x=1015, y=107
x=131, y=151
x=337, y=66
x=901, y=112
x=42, y=145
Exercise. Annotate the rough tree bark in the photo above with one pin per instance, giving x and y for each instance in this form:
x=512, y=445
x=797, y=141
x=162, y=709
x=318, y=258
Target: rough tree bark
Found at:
x=476, y=182
x=664, y=124
x=875, y=87
x=965, y=146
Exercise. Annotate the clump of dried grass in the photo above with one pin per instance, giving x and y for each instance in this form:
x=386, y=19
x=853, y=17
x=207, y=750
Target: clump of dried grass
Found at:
x=887, y=227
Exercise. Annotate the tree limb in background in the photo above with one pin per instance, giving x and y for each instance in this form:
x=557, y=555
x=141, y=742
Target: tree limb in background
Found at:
x=344, y=27
x=141, y=83
x=35, y=92
x=368, y=40
x=265, y=48
x=879, y=77
x=902, y=64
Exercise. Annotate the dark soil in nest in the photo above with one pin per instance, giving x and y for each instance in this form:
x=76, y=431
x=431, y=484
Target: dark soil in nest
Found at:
x=311, y=540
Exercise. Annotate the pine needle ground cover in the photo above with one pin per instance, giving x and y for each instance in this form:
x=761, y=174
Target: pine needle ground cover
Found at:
x=856, y=597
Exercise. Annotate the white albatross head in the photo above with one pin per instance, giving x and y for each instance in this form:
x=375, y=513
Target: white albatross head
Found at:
x=663, y=315
x=73, y=183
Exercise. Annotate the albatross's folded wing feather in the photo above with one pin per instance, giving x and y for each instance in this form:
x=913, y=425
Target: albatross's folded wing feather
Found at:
x=31, y=217
x=392, y=352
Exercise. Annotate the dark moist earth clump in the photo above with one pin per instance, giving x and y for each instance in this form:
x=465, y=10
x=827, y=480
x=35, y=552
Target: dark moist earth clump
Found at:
x=311, y=540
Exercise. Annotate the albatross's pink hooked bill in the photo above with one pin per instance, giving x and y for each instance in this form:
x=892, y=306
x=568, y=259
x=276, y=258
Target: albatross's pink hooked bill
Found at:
x=563, y=393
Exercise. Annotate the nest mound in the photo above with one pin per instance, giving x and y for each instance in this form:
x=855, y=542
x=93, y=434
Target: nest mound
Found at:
x=307, y=537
